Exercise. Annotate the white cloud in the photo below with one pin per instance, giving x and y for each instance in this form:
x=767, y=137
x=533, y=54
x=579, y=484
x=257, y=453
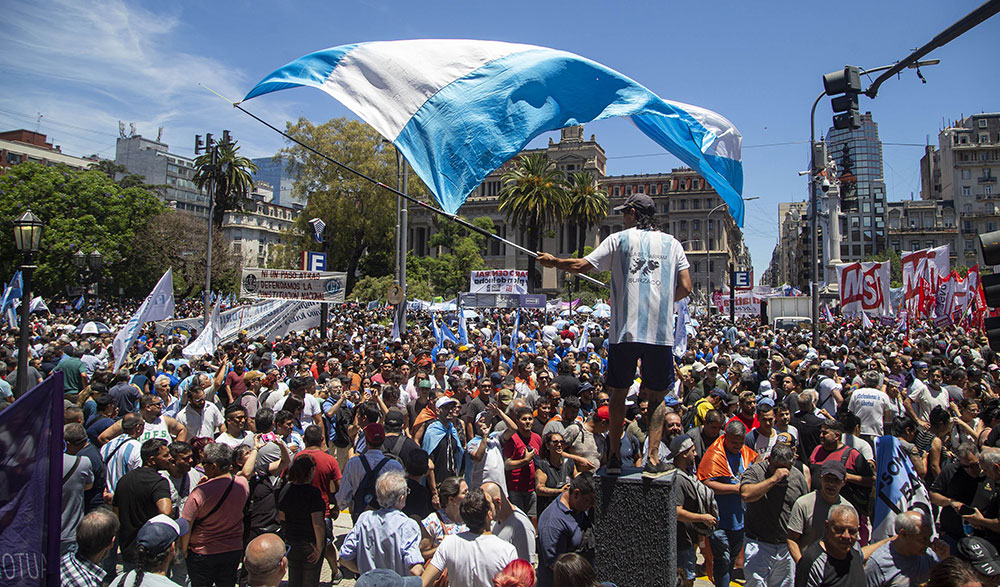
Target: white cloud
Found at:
x=90, y=64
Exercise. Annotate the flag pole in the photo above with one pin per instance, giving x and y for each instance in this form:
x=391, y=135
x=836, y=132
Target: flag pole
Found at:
x=407, y=197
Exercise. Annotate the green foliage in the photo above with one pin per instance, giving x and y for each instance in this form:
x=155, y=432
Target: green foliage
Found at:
x=534, y=197
x=232, y=174
x=360, y=217
x=588, y=205
x=84, y=209
x=460, y=253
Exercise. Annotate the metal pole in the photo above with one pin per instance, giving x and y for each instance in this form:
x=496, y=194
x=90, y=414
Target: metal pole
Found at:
x=708, y=259
x=732, y=293
x=404, y=225
x=813, y=202
x=22, y=341
x=208, y=254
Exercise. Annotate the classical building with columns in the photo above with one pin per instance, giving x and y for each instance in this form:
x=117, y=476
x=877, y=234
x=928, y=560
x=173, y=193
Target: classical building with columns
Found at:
x=686, y=207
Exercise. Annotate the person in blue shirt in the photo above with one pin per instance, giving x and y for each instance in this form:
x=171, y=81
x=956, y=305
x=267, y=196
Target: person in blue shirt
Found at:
x=563, y=524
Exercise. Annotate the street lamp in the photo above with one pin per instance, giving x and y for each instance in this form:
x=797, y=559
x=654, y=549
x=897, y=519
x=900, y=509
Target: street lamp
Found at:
x=28, y=239
x=708, y=249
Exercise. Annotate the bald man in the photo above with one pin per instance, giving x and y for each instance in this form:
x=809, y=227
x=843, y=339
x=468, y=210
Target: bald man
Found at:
x=265, y=561
x=910, y=557
x=511, y=524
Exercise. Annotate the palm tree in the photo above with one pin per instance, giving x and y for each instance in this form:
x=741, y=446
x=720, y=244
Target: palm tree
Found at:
x=534, y=197
x=232, y=175
x=588, y=205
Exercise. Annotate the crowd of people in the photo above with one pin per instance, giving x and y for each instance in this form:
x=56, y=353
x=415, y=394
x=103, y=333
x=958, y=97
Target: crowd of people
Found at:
x=475, y=464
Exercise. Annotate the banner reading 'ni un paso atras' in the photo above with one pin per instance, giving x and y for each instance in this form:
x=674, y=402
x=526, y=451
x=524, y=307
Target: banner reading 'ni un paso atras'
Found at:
x=267, y=319
x=285, y=284
x=499, y=281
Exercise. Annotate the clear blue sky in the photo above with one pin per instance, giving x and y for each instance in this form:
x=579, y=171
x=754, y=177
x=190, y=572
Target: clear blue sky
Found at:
x=86, y=65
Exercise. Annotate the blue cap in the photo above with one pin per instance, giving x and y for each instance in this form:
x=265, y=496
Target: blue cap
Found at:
x=157, y=534
x=671, y=401
x=919, y=365
x=764, y=401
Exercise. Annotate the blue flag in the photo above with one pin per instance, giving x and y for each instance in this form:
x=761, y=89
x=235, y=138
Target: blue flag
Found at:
x=31, y=503
x=438, y=336
x=515, y=335
x=463, y=331
x=12, y=292
x=78, y=304
x=497, y=340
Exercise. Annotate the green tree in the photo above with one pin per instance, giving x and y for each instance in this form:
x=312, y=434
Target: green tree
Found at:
x=534, y=197
x=360, y=217
x=588, y=208
x=460, y=253
x=232, y=174
x=84, y=209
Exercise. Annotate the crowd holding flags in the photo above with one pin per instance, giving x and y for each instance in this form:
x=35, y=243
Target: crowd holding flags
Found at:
x=158, y=305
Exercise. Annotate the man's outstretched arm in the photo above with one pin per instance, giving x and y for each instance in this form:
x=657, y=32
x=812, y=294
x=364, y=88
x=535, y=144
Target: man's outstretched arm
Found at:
x=571, y=265
x=683, y=285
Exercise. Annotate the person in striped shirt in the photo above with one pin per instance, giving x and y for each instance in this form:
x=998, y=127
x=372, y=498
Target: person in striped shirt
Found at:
x=649, y=272
x=121, y=454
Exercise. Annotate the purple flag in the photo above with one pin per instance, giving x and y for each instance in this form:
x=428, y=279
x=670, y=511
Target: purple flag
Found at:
x=31, y=446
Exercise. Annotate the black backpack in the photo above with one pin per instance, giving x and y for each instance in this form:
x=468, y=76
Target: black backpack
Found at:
x=341, y=421
x=260, y=514
x=364, y=495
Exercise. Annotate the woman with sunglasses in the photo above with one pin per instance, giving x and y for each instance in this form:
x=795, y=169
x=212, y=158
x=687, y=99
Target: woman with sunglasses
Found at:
x=553, y=470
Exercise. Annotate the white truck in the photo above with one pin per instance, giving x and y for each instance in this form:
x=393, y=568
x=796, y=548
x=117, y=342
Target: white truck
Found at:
x=789, y=313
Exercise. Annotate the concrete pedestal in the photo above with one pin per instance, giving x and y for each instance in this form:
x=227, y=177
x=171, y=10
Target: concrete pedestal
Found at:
x=635, y=522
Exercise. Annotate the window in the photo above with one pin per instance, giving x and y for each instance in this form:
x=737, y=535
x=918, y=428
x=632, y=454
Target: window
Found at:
x=697, y=267
x=844, y=250
x=682, y=204
x=617, y=193
x=984, y=155
x=928, y=244
x=966, y=190
x=639, y=189
x=856, y=250
x=666, y=207
x=991, y=226
x=684, y=225
x=966, y=174
x=696, y=225
x=914, y=245
x=696, y=204
x=628, y=190
x=969, y=246
x=895, y=246
x=988, y=190
x=866, y=207
x=982, y=123
x=984, y=137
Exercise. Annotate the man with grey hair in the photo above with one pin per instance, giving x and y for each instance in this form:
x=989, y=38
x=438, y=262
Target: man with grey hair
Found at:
x=906, y=559
x=986, y=526
x=214, y=546
x=95, y=537
x=872, y=406
x=770, y=488
x=385, y=538
x=834, y=560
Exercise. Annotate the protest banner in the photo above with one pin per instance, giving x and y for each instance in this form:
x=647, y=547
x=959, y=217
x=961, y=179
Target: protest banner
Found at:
x=864, y=287
x=897, y=487
x=267, y=319
x=287, y=284
x=747, y=303
x=499, y=281
x=31, y=455
x=921, y=270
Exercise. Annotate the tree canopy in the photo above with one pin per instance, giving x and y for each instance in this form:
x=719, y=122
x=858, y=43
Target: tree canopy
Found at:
x=80, y=209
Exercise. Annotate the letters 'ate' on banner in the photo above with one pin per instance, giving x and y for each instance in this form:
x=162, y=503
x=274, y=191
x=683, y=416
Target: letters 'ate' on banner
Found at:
x=285, y=284
x=864, y=287
x=511, y=281
x=31, y=446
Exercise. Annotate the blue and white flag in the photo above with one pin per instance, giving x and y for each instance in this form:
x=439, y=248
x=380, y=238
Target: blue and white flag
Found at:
x=515, y=333
x=12, y=292
x=38, y=305
x=463, y=330
x=497, y=339
x=438, y=336
x=78, y=304
x=318, y=227
x=373, y=305
x=459, y=109
x=158, y=305
x=209, y=338
x=680, y=329
x=897, y=487
x=581, y=344
x=398, y=322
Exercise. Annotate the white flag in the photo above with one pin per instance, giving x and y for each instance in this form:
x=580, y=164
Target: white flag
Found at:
x=210, y=337
x=158, y=305
x=680, y=328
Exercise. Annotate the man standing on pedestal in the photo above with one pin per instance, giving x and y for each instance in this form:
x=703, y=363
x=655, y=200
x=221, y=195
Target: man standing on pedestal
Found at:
x=649, y=272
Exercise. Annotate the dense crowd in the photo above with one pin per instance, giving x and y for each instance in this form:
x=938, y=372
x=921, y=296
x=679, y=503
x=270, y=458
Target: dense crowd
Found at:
x=474, y=464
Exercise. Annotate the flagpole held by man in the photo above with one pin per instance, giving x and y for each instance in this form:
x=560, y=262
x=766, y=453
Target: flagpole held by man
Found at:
x=649, y=271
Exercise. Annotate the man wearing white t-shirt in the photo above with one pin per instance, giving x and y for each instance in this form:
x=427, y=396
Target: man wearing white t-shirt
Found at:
x=200, y=418
x=486, y=448
x=925, y=396
x=303, y=388
x=471, y=558
x=871, y=405
x=649, y=272
x=830, y=390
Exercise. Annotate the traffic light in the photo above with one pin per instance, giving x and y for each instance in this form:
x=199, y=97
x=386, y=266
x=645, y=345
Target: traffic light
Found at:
x=989, y=246
x=844, y=85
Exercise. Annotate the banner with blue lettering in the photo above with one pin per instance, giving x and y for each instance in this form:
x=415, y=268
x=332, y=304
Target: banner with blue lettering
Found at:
x=31, y=446
x=897, y=487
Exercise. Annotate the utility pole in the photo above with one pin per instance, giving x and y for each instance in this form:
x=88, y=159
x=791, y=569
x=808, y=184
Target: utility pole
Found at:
x=209, y=146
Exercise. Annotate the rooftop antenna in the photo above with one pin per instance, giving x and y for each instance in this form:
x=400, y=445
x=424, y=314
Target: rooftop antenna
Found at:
x=38, y=122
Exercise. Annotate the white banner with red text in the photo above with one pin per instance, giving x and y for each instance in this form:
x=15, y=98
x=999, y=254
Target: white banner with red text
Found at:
x=864, y=287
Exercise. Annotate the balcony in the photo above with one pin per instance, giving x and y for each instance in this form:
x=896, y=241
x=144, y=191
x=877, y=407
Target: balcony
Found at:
x=987, y=179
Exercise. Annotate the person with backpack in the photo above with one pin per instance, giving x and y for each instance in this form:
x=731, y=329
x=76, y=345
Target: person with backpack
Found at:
x=697, y=512
x=357, y=486
x=859, y=477
x=326, y=478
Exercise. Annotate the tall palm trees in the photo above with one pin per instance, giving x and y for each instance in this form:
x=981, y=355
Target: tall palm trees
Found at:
x=534, y=196
x=232, y=174
x=588, y=205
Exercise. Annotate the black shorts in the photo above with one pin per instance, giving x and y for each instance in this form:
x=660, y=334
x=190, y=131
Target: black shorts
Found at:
x=657, y=365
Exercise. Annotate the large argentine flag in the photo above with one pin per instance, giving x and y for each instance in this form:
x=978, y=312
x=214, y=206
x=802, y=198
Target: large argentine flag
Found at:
x=459, y=109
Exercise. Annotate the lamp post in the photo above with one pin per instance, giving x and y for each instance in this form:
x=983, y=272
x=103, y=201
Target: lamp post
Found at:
x=708, y=249
x=28, y=239
x=87, y=266
x=95, y=261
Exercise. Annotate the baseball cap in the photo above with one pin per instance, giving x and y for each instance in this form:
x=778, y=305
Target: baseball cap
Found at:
x=712, y=365
x=496, y=379
x=719, y=393
x=424, y=383
x=698, y=367
x=585, y=387
x=386, y=578
x=603, y=413
x=160, y=531
x=919, y=365
x=680, y=444
x=827, y=364
x=731, y=399
x=443, y=401
x=505, y=395
x=640, y=202
x=394, y=419
x=671, y=401
x=765, y=404
x=980, y=554
x=374, y=433
x=835, y=468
